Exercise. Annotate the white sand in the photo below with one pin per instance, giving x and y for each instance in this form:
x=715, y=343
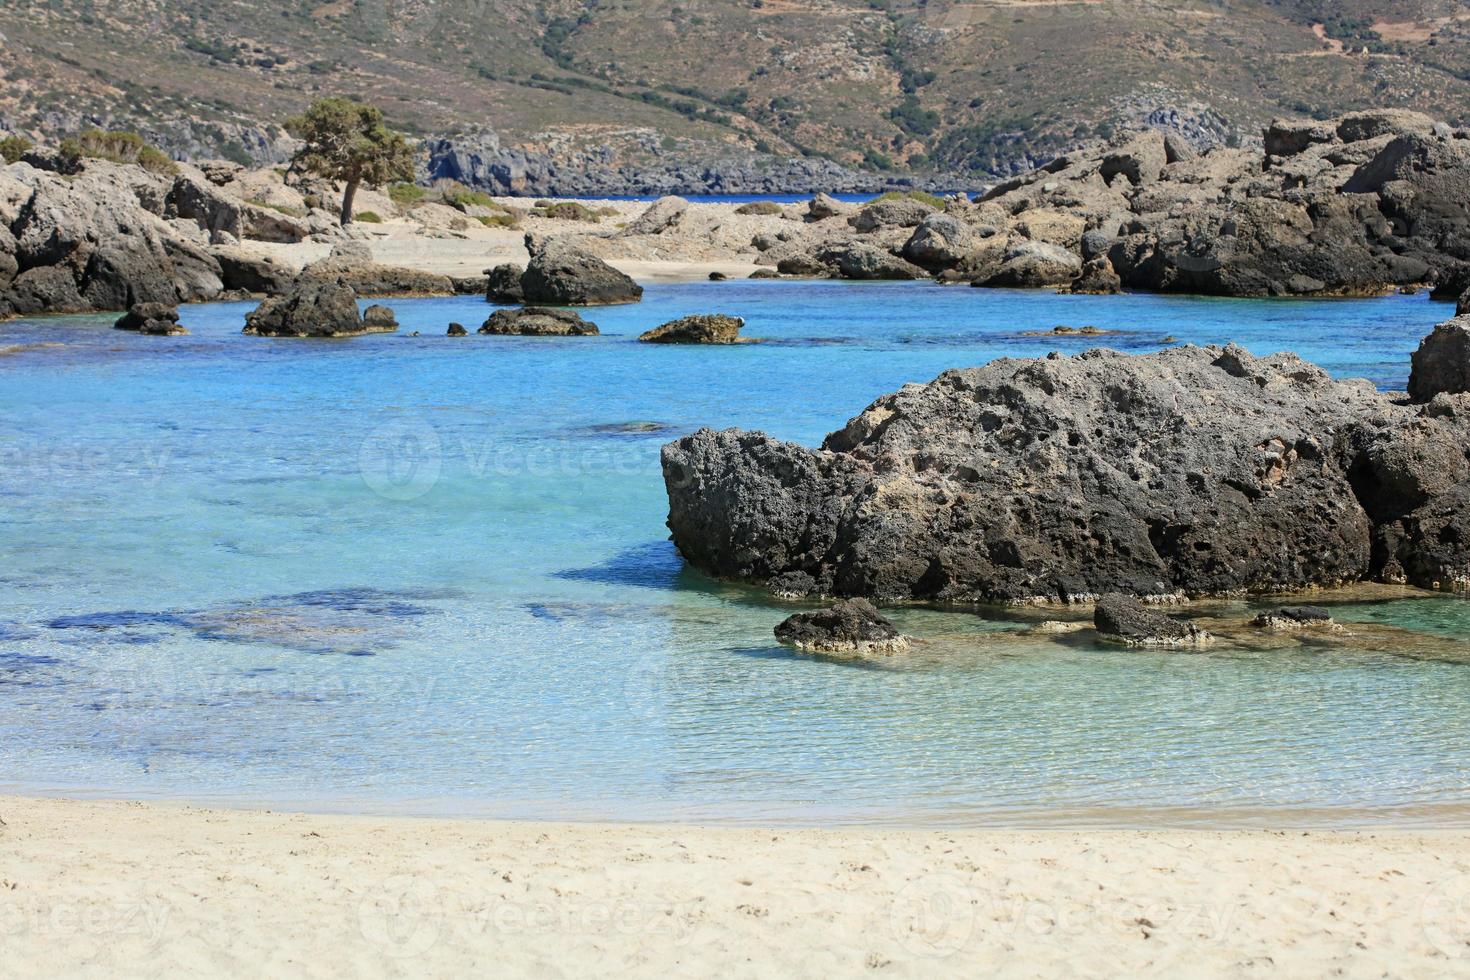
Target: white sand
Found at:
x=103, y=888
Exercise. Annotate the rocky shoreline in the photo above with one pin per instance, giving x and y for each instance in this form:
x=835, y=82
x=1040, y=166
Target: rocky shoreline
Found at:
x=1369, y=203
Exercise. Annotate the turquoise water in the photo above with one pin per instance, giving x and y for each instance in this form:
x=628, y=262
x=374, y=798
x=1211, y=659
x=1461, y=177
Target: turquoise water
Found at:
x=431, y=575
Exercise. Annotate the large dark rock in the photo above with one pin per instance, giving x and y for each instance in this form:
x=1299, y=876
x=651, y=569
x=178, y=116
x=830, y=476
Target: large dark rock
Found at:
x=1201, y=471
x=1294, y=618
x=850, y=626
x=250, y=273
x=535, y=321
x=1442, y=362
x=317, y=308
x=713, y=328
x=503, y=284
x=102, y=231
x=1126, y=620
x=563, y=274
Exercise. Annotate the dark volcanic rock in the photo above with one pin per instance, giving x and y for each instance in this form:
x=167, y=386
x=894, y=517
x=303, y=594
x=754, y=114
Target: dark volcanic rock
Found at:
x=850, y=626
x=1289, y=618
x=46, y=289
x=457, y=330
x=1202, y=471
x=156, y=319
x=535, y=321
x=562, y=274
x=503, y=284
x=715, y=328
x=1125, y=619
x=1442, y=362
x=317, y=308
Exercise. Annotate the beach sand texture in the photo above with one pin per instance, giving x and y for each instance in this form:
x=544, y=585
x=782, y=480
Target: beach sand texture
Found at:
x=112, y=888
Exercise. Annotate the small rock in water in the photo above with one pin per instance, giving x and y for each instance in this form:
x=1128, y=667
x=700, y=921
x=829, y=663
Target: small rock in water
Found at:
x=1295, y=618
x=765, y=274
x=717, y=277
x=700, y=329
x=536, y=321
x=457, y=330
x=1125, y=619
x=154, y=319
x=850, y=626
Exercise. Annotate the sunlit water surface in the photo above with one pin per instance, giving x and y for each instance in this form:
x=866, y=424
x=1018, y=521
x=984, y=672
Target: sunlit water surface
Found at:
x=431, y=575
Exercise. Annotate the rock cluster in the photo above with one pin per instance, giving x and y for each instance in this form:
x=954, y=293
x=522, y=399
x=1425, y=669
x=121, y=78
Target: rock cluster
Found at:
x=1197, y=471
x=710, y=328
x=849, y=626
x=1354, y=206
x=317, y=308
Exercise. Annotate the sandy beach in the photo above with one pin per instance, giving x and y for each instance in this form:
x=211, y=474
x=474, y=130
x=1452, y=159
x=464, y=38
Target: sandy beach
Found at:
x=101, y=888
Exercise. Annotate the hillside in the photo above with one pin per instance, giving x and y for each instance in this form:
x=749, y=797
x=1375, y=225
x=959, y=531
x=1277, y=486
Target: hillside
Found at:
x=978, y=88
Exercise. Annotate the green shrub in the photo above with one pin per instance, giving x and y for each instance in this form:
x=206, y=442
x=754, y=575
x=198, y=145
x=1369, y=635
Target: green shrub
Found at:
x=760, y=207
x=499, y=220
x=12, y=148
x=369, y=217
x=923, y=197
x=457, y=195
x=571, y=211
x=281, y=208
x=119, y=146
x=405, y=195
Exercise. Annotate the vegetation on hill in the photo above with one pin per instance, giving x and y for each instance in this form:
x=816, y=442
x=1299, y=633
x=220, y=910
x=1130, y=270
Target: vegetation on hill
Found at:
x=981, y=86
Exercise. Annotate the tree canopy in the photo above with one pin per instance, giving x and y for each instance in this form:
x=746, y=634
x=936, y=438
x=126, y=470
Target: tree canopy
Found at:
x=348, y=141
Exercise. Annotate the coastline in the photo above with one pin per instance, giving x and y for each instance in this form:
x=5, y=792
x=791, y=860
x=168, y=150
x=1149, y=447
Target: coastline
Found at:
x=173, y=887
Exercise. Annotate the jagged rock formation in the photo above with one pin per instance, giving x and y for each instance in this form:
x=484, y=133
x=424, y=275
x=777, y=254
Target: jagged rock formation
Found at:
x=503, y=284
x=95, y=241
x=1348, y=207
x=713, y=328
x=1292, y=619
x=1198, y=471
x=850, y=626
x=317, y=308
x=535, y=321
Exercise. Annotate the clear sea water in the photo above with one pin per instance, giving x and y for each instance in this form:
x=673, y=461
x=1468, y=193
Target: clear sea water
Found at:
x=423, y=574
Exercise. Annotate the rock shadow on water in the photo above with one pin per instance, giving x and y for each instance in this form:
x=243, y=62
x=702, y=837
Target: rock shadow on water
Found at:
x=655, y=565
x=777, y=651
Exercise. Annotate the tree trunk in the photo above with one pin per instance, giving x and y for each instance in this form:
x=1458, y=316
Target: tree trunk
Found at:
x=347, y=196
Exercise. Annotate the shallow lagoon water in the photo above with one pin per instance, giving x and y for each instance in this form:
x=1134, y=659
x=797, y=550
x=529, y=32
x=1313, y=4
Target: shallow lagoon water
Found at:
x=430, y=574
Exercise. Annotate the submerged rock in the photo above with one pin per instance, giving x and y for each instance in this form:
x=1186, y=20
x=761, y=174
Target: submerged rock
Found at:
x=563, y=274
x=1126, y=620
x=536, y=321
x=317, y=308
x=155, y=319
x=1289, y=618
x=714, y=328
x=850, y=626
x=1204, y=471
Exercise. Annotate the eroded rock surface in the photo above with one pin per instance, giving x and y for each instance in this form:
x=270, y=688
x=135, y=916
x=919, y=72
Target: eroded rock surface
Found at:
x=850, y=626
x=535, y=321
x=1124, y=619
x=711, y=328
x=561, y=273
x=317, y=308
x=1198, y=471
